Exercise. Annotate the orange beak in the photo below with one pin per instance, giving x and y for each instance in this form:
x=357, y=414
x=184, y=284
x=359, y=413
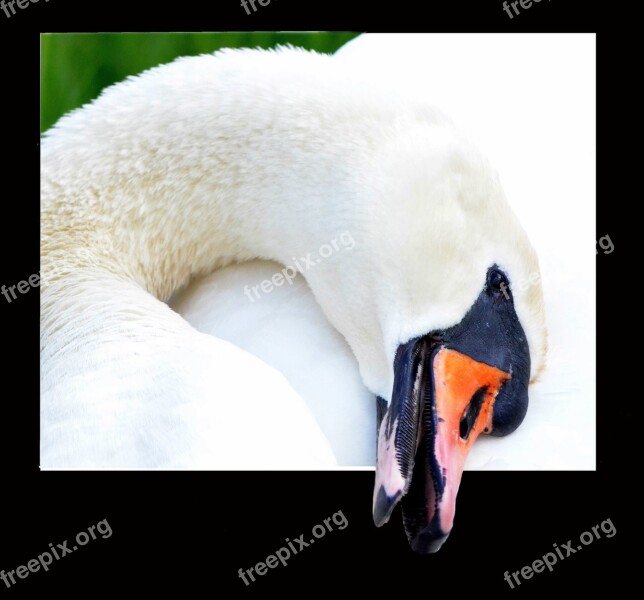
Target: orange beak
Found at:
x=464, y=391
x=450, y=385
x=423, y=444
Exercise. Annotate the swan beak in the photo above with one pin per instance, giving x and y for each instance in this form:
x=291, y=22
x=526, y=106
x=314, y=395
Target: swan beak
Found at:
x=441, y=402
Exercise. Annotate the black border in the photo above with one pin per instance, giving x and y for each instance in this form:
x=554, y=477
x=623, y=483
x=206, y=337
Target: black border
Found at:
x=190, y=532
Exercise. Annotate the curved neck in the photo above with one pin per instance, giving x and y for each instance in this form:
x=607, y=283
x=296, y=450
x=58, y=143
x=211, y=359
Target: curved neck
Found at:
x=217, y=159
x=178, y=180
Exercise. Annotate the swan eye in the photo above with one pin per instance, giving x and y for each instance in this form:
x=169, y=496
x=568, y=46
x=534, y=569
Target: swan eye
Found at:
x=498, y=281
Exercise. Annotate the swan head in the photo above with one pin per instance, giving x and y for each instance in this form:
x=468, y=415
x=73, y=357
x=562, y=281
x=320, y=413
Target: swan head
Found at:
x=445, y=316
x=450, y=386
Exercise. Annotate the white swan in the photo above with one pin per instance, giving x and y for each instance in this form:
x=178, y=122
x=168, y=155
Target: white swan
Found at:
x=246, y=154
x=490, y=84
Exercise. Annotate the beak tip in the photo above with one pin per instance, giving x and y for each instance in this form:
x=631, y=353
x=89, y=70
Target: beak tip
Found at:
x=427, y=543
x=383, y=506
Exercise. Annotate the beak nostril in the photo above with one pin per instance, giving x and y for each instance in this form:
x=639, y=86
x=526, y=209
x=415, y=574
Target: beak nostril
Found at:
x=464, y=428
x=472, y=412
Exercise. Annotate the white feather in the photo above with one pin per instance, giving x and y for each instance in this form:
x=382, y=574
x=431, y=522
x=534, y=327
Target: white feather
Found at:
x=224, y=158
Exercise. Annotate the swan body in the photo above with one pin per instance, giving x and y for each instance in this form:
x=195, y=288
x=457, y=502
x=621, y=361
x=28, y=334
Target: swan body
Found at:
x=224, y=158
x=278, y=328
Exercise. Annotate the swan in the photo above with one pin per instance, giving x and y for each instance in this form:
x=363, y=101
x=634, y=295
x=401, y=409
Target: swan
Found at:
x=278, y=328
x=244, y=154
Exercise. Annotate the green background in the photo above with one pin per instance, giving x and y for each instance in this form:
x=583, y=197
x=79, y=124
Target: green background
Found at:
x=76, y=67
